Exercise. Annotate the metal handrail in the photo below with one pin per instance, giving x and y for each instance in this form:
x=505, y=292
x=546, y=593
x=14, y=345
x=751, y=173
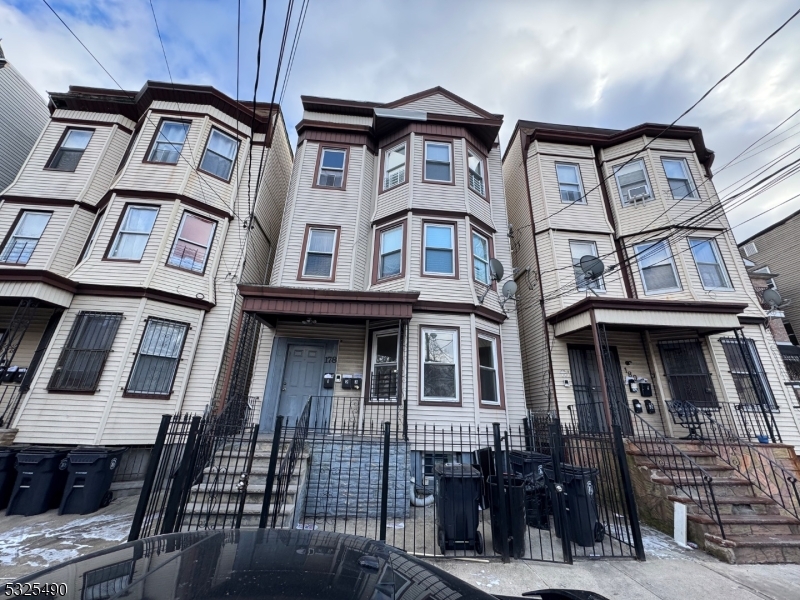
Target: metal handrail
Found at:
x=675, y=463
x=289, y=460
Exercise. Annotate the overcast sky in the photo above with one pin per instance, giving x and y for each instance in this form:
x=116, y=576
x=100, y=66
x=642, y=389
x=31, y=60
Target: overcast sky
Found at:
x=606, y=64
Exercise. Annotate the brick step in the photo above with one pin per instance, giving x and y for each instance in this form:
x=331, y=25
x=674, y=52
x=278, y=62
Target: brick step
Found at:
x=729, y=505
x=755, y=549
x=711, y=469
x=723, y=486
x=654, y=451
x=751, y=524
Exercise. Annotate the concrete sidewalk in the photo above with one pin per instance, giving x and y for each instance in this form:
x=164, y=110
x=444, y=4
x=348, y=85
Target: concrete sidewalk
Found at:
x=28, y=544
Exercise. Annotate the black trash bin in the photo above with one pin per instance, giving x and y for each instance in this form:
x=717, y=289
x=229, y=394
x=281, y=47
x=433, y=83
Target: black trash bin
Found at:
x=41, y=475
x=580, y=485
x=8, y=474
x=458, y=492
x=91, y=469
x=515, y=514
x=529, y=465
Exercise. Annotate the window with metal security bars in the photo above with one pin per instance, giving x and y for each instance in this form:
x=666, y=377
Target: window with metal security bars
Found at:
x=748, y=374
x=394, y=166
x=169, y=142
x=632, y=182
x=24, y=239
x=687, y=372
x=219, y=155
x=157, y=361
x=105, y=582
x=679, y=179
x=83, y=357
x=792, y=364
x=190, y=250
x=476, y=172
x=69, y=153
x=569, y=183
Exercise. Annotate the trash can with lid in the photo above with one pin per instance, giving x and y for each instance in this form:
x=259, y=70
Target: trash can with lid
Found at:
x=580, y=484
x=91, y=469
x=41, y=475
x=515, y=514
x=458, y=493
x=529, y=465
x=8, y=474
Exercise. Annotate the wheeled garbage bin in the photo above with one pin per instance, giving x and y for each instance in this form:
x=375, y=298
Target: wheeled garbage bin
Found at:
x=8, y=458
x=458, y=492
x=41, y=475
x=529, y=465
x=91, y=469
x=580, y=484
x=515, y=515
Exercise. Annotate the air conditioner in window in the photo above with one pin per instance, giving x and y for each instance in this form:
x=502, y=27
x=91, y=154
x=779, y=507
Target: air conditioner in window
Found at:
x=394, y=179
x=638, y=194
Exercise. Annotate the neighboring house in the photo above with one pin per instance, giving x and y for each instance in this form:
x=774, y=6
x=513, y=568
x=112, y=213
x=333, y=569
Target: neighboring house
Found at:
x=123, y=238
x=663, y=327
x=23, y=115
x=381, y=283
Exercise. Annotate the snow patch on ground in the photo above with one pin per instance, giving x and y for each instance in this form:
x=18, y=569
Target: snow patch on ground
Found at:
x=484, y=580
x=659, y=545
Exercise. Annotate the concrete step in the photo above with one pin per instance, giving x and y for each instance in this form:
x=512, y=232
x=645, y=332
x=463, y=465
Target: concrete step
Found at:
x=755, y=549
x=723, y=486
x=650, y=450
x=255, y=493
x=120, y=489
x=741, y=525
x=729, y=505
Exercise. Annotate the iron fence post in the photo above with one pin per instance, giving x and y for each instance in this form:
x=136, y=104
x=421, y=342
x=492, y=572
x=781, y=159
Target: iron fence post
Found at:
x=273, y=461
x=245, y=477
x=176, y=492
x=501, y=492
x=149, y=478
x=387, y=431
x=627, y=487
x=557, y=454
x=742, y=342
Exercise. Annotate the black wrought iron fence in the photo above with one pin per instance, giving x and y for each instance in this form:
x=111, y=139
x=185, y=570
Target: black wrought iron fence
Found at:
x=10, y=396
x=354, y=413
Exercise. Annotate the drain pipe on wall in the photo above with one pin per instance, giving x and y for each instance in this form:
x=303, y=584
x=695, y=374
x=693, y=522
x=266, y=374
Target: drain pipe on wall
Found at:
x=425, y=501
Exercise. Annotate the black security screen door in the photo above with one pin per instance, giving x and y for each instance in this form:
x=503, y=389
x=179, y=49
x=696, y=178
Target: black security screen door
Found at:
x=588, y=393
x=687, y=373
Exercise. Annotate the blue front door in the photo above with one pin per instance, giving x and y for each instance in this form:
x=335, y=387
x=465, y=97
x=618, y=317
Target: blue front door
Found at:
x=301, y=378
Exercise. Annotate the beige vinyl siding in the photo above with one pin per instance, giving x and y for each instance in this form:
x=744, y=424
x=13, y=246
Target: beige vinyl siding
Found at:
x=362, y=267
x=516, y=408
x=107, y=169
x=440, y=196
x=36, y=181
x=612, y=282
x=42, y=291
x=80, y=115
x=46, y=246
x=479, y=206
x=31, y=337
x=242, y=124
x=72, y=241
x=288, y=213
x=310, y=115
x=399, y=197
x=440, y=104
x=258, y=381
x=565, y=150
x=445, y=289
x=626, y=149
x=555, y=281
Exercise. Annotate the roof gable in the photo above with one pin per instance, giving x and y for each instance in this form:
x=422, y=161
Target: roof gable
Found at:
x=441, y=101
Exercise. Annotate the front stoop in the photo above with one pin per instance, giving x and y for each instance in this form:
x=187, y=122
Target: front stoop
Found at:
x=757, y=529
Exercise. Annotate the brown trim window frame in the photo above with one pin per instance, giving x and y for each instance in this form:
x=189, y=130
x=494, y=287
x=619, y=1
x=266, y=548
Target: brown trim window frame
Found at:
x=694, y=191
x=159, y=357
x=423, y=262
x=372, y=388
x=473, y=231
x=186, y=242
x=118, y=231
x=406, y=167
x=484, y=177
x=440, y=400
x=576, y=168
x=59, y=152
x=152, y=147
x=301, y=276
x=10, y=246
x=450, y=142
x=232, y=159
x=377, y=256
x=318, y=167
x=95, y=231
x=497, y=357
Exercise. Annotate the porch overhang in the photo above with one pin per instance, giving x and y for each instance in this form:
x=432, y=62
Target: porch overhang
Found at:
x=272, y=303
x=637, y=314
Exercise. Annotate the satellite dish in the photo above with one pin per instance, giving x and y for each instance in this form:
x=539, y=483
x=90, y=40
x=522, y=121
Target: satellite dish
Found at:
x=509, y=289
x=592, y=266
x=496, y=269
x=771, y=297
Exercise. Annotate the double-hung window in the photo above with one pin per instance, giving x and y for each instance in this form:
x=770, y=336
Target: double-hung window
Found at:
x=190, y=250
x=390, y=260
x=578, y=249
x=83, y=357
x=332, y=165
x=320, y=252
x=489, y=366
x=657, y=267
x=480, y=258
x=394, y=166
x=25, y=237
x=157, y=361
x=69, y=153
x=219, y=155
x=439, y=249
x=439, y=365
x=679, y=178
x=476, y=172
x=569, y=183
x=709, y=264
x=385, y=346
x=438, y=162
x=748, y=373
x=632, y=181
x=169, y=142
x=133, y=233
